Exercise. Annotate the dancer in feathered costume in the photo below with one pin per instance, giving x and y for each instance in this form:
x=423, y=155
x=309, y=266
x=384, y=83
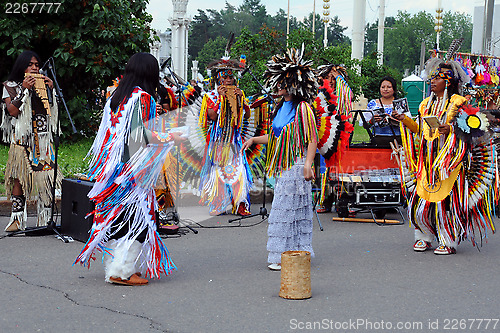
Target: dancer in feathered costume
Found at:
x=333, y=104
x=291, y=147
x=225, y=178
x=126, y=159
x=28, y=125
x=193, y=150
x=447, y=168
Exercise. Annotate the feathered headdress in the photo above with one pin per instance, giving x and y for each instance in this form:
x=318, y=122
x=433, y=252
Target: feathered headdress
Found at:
x=432, y=65
x=323, y=70
x=293, y=73
x=226, y=66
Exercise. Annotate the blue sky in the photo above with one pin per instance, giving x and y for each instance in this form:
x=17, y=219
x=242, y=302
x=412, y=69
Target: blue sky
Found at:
x=162, y=9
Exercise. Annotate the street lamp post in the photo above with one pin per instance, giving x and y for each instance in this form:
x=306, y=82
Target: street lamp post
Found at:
x=287, y=23
x=439, y=22
x=326, y=19
x=314, y=18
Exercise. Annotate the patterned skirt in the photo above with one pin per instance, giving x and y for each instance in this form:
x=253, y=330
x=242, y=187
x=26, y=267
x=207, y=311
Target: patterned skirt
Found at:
x=290, y=221
x=36, y=181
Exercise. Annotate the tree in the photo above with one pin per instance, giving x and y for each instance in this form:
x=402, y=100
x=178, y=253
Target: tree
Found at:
x=258, y=49
x=90, y=41
x=403, y=40
x=335, y=32
x=371, y=34
x=212, y=50
x=456, y=25
x=199, y=32
x=212, y=23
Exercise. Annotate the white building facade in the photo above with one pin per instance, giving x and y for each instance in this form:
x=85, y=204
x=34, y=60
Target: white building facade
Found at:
x=478, y=31
x=180, y=26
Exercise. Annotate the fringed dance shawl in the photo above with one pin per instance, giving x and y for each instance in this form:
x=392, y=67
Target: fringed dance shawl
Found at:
x=31, y=128
x=344, y=92
x=125, y=168
x=449, y=180
x=291, y=145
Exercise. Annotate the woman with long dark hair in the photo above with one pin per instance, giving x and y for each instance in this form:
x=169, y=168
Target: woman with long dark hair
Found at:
x=28, y=125
x=126, y=159
x=380, y=120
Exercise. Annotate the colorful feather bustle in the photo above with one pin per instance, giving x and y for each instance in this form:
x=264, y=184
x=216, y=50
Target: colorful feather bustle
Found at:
x=189, y=165
x=123, y=190
x=172, y=99
x=334, y=128
x=256, y=125
x=470, y=123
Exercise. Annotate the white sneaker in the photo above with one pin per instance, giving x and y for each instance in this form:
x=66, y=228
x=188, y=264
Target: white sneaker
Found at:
x=274, y=267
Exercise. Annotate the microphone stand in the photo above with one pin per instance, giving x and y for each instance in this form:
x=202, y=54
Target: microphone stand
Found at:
x=51, y=224
x=263, y=210
x=175, y=215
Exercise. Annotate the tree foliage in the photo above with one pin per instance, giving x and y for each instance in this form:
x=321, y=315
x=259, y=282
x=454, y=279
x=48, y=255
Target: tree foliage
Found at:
x=90, y=41
x=335, y=32
x=404, y=38
x=371, y=34
x=251, y=15
x=260, y=47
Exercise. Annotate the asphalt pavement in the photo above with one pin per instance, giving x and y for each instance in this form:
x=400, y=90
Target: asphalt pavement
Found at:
x=365, y=278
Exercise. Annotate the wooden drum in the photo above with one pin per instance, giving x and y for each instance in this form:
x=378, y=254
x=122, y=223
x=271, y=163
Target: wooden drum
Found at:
x=295, y=275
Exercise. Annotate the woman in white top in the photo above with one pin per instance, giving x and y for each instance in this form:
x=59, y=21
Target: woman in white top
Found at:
x=388, y=93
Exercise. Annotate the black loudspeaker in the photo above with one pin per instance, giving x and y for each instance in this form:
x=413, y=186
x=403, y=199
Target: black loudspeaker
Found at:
x=75, y=206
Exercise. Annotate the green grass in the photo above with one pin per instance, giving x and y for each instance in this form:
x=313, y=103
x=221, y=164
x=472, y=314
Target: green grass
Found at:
x=4, y=152
x=360, y=134
x=70, y=159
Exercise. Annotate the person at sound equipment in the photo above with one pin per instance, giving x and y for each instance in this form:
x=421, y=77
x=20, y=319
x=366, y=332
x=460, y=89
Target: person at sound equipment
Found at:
x=380, y=109
x=126, y=158
x=226, y=177
x=448, y=168
x=28, y=125
x=291, y=145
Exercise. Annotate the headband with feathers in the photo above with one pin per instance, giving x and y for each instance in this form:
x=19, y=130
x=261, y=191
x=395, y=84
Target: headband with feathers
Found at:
x=293, y=73
x=458, y=72
x=226, y=62
x=324, y=70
